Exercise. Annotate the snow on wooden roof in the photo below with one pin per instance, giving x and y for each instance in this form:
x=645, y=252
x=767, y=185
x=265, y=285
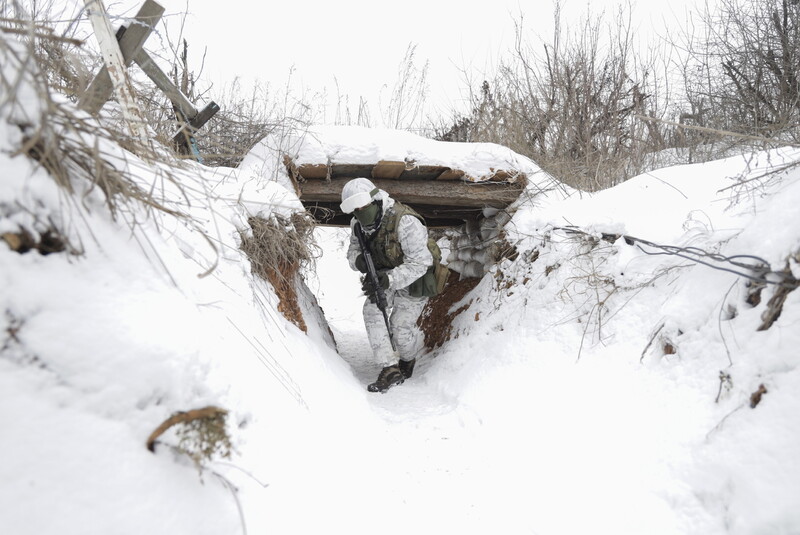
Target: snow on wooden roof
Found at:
x=446, y=182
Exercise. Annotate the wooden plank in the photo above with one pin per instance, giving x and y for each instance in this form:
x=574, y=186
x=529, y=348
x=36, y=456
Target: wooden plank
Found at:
x=311, y=171
x=388, y=169
x=196, y=122
x=162, y=81
x=451, y=174
x=204, y=115
x=424, y=192
x=101, y=88
x=115, y=69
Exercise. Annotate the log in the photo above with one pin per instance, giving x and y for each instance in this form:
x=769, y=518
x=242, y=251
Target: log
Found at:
x=502, y=175
x=312, y=171
x=422, y=192
x=423, y=172
x=329, y=214
x=348, y=171
x=397, y=170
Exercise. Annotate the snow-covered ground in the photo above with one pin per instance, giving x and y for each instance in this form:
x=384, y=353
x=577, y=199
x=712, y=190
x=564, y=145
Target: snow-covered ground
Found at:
x=589, y=387
x=583, y=391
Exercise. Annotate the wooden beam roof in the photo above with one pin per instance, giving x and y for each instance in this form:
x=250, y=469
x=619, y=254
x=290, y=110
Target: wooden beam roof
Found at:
x=442, y=195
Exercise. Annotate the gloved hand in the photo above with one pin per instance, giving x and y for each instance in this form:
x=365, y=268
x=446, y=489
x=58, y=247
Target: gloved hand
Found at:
x=361, y=264
x=368, y=289
x=383, y=280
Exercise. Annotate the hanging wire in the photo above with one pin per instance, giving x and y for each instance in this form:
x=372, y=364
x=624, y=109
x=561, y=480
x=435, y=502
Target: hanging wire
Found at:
x=758, y=272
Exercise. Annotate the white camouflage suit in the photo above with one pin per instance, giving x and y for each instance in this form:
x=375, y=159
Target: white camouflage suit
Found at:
x=403, y=308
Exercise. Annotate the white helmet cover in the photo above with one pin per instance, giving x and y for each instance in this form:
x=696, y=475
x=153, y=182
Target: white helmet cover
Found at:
x=357, y=194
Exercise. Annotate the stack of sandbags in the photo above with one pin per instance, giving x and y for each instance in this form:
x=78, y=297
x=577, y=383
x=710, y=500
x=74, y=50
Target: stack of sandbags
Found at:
x=476, y=247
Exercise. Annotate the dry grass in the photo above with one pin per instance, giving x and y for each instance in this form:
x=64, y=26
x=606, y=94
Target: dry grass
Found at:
x=277, y=248
x=69, y=144
x=202, y=435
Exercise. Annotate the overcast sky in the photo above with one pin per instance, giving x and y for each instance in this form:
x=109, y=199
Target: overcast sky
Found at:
x=360, y=44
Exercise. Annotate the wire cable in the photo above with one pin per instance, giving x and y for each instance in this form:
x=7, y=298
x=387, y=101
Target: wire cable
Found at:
x=760, y=271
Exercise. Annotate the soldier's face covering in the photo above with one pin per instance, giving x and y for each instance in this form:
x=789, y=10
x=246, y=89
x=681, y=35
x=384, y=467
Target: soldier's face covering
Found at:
x=368, y=215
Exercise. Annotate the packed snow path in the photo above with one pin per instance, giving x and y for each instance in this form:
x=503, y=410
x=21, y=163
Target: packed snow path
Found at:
x=433, y=466
x=499, y=435
x=413, y=401
x=472, y=469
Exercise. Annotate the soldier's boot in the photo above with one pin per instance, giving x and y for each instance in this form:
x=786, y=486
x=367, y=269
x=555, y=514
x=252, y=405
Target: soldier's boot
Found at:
x=390, y=376
x=407, y=367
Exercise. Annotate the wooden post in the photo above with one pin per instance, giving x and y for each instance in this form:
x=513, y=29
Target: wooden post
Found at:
x=160, y=78
x=163, y=82
x=190, y=118
x=196, y=122
x=119, y=51
x=131, y=42
x=115, y=67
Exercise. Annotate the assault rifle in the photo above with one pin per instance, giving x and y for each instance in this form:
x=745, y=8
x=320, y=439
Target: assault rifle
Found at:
x=372, y=274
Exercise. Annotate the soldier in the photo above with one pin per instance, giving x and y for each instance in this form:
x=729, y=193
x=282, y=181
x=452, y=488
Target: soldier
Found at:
x=408, y=269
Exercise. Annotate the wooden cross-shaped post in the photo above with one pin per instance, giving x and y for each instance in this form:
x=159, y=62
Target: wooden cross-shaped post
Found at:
x=113, y=77
x=128, y=43
x=190, y=117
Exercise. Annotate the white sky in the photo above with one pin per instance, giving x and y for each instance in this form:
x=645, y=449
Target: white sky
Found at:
x=360, y=44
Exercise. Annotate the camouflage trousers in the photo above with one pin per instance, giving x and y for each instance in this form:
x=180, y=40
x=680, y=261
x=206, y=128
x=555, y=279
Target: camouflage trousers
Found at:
x=403, y=313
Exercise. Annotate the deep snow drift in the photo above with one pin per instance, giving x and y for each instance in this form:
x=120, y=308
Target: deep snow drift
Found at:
x=588, y=386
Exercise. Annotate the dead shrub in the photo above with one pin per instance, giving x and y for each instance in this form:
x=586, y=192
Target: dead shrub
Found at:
x=573, y=107
x=71, y=146
x=742, y=69
x=776, y=302
x=202, y=435
x=277, y=248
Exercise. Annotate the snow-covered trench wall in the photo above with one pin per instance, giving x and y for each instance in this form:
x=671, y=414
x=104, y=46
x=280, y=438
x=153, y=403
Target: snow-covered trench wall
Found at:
x=670, y=304
x=128, y=303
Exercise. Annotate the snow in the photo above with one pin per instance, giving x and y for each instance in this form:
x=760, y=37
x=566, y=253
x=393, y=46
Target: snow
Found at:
x=554, y=408
x=326, y=144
